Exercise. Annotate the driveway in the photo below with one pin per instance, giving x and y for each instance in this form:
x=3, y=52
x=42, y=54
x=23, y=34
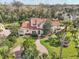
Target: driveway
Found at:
x=17, y=51
x=40, y=47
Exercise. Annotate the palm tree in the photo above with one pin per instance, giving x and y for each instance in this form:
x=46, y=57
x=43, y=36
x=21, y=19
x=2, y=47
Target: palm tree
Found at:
x=68, y=25
x=17, y=3
x=61, y=46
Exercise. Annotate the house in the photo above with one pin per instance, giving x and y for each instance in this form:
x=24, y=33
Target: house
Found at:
x=35, y=26
x=2, y=28
x=66, y=15
x=4, y=32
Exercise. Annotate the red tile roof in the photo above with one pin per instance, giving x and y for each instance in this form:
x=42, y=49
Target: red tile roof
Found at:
x=25, y=24
x=28, y=25
x=55, y=23
x=35, y=28
x=38, y=20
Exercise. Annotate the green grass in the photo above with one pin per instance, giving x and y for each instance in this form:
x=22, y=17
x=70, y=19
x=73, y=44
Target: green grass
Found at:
x=46, y=44
x=11, y=24
x=20, y=40
x=68, y=53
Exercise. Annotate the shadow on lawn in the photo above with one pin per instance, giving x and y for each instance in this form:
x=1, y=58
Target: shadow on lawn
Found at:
x=74, y=56
x=46, y=41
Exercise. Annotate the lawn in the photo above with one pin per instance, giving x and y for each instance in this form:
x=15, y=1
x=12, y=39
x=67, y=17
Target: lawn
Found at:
x=19, y=40
x=12, y=24
x=68, y=53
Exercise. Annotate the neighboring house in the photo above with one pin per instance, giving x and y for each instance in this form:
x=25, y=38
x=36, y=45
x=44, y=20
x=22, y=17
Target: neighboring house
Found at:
x=35, y=26
x=4, y=32
x=2, y=28
x=67, y=16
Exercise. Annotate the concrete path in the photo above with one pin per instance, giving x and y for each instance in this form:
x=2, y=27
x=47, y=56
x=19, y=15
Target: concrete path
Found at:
x=17, y=52
x=40, y=47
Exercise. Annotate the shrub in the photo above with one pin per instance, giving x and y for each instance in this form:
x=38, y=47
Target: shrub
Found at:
x=54, y=41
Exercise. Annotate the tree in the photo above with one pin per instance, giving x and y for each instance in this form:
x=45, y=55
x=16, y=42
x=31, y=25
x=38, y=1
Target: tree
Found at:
x=76, y=40
x=54, y=41
x=46, y=28
x=4, y=53
x=76, y=23
x=43, y=56
x=61, y=46
x=17, y=3
x=59, y=16
x=54, y=55
x=68, y=25
x=30, y=51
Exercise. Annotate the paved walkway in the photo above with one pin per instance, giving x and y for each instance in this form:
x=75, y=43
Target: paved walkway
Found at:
x=40, y=47
x=17, y=52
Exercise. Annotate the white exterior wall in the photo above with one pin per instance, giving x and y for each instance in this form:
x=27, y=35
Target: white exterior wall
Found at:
x=21, y=31
x=24, y=31
x=55, y=27
x=28, y=31
x=41, y=25
x=41, y=32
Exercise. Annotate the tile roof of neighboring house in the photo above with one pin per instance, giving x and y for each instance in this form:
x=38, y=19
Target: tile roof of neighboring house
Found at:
x=55, y=23
x=38, y=20
x=25, y=24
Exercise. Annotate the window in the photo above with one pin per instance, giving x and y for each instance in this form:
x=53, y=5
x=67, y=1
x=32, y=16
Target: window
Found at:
x=20, y=31
x=33, y=32
x=34, y=24
x=27, y=30
x=38, y=25
x=39, y=32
